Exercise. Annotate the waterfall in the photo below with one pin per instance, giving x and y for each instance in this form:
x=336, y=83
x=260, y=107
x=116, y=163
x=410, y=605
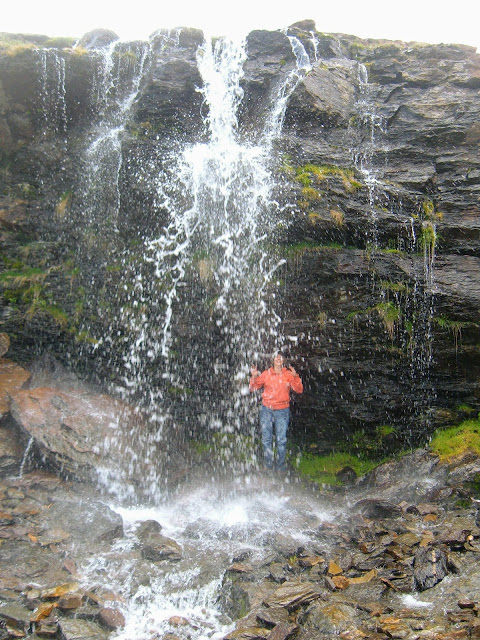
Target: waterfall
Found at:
x=201, y=307
x=371, y=127
x=120, y=73
x=53, y=107
x=411, y=310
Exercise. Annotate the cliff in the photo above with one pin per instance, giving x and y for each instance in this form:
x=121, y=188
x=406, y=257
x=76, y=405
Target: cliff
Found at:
x=374, y=208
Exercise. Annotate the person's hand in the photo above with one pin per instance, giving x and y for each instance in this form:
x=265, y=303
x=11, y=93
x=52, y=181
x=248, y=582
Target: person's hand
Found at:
x=254, y=371
x=293, y=372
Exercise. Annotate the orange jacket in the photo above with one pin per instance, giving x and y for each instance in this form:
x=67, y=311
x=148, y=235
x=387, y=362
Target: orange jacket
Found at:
x=276, y=387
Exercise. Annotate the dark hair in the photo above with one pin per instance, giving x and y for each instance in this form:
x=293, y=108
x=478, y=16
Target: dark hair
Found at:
x=279, y=353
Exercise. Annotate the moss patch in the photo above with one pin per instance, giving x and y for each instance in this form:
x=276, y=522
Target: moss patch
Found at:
x=455, y=441
x=324, y=469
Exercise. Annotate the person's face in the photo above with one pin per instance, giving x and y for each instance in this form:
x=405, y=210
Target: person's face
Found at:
x=278, y=360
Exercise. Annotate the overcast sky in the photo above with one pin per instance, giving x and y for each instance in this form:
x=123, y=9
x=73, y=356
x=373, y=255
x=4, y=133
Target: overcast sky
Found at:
x=419, y=20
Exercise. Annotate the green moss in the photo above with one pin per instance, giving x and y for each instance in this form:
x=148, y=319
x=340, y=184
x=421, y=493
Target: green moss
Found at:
x=389, y=313
x=83, y=337
x=57, y=314
x=15, y=277
x=465, y=408
x=310, y=194
x=428, y=237
x=14, y=46
x=455, y=327
x=394, y=287
x=309, y=173
x=293, y=250
x=323, y=469
x=455, y=441
x=62, y=42
x=428, y=208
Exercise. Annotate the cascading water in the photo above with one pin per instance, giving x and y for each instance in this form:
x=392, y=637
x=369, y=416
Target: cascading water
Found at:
x=365, y=152
x=202, y=307
x=121, y=72
x=407, y=312
x=52, y=92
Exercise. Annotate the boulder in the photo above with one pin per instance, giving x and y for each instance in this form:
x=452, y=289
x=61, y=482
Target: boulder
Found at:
x=12, y=378
x=156, y=547
x=97, y=39
x=70, y=432
x=430, y=567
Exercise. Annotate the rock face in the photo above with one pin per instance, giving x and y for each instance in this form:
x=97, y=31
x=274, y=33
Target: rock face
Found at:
x=377, y=179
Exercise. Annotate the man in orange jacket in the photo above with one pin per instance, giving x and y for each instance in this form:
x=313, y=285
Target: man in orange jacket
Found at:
x=275, y=410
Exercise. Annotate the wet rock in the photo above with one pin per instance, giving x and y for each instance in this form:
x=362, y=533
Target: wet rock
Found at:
x=283, y=631
x=346, y=475
x=272, y=616
x=47, y=628
x=75, y=629
x=326, y=618
x=293, y=595
x=430, y=567
x=12, y=378
x=47, y=371
x=234, y=600
x=277, y=572
x=373, y=508
x=15, y=616
x=70, y=602
x=43, y=611
x=71, y=433
x=248, y=633
x=111, y=618
x=4, y=344
x=326, y=96
x=238, y=567
x=156, y=547
x=71, y=515
x=59, y=590
x=97, y=39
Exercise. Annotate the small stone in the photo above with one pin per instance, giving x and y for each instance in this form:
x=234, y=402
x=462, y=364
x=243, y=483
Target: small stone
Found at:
x=55, y=536
x=430, y=517
x=73, y=601
x=42, y=611
x=466, y=604
x=15, y=616
x=60, y=590
x=334, y=569
x=238, y=567
x=76, y=629
x=248, y=633
x=426, y=509
x=111, y=618
x=341, y=582
x=329, y=583
x=178, y=621
x=47, y=628
x=6, y=518
x=395, y=552
x=293, y=595
x=367, y=577
x=70, y=566
x=310, y=561
x=353, y=634
x=283, y=631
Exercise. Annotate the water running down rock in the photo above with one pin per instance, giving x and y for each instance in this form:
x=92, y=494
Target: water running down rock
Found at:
x=178, y=197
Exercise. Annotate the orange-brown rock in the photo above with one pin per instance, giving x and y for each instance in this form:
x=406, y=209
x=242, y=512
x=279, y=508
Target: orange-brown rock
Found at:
x=12, y=378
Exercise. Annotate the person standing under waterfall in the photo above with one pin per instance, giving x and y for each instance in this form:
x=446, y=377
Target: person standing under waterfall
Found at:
x=277, y=382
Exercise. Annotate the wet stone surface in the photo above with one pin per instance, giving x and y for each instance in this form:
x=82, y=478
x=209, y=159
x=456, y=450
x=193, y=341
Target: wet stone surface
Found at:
x=275, y=559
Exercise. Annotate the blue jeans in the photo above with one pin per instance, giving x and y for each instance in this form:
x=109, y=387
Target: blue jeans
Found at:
x=280, y=419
